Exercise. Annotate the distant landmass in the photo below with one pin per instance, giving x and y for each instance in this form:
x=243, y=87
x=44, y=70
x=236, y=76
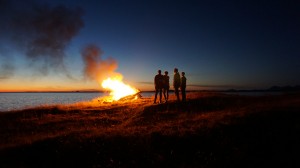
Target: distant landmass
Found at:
x=285, y=88
x=271, y=89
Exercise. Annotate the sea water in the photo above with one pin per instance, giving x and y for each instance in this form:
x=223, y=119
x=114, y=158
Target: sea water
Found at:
x=17, y=101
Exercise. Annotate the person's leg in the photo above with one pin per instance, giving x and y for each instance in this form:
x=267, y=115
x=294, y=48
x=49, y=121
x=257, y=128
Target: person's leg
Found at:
x=160, y=95
x=183, y=94
x=167, y=94
x=155, y=95
x=164, y=92
x=177, y=93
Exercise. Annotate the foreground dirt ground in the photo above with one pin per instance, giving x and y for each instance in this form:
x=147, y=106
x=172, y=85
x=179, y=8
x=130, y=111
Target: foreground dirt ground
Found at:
x=209, y=130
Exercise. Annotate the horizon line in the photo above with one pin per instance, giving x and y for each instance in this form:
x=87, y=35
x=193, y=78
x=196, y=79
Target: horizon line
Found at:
x=148, y=90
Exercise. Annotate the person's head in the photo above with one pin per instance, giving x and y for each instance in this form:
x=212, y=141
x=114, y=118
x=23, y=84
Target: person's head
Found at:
x=159, y=71
x=182, y=73
x=175, y=70
x=166, y=72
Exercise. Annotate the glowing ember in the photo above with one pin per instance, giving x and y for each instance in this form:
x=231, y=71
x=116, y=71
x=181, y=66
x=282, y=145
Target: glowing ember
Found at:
x=118, y=88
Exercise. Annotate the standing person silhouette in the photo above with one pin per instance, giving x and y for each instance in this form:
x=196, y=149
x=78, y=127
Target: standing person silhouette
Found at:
x=158, y=82
x=176, y=83
x=183, y=86
x=166, y=86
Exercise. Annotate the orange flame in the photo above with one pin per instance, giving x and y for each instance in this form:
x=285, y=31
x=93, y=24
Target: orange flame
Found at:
x=118, y=88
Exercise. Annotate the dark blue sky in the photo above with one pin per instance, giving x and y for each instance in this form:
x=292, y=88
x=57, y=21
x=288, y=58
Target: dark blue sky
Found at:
x=219, y=44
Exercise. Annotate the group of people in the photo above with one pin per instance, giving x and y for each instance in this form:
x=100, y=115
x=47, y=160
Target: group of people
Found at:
x=162, y=85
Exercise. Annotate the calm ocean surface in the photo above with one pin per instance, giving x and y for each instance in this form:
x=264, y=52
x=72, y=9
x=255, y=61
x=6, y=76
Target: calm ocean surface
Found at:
x=15, y=101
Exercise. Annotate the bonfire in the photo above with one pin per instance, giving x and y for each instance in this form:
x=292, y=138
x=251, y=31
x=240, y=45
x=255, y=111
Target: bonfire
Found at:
x=119, y=91
x=98, y=69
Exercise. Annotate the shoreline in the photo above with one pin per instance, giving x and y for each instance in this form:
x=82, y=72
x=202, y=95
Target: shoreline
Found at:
x=48, y=99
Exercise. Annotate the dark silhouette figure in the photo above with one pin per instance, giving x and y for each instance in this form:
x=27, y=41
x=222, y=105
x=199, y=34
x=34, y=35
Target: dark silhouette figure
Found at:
x=183, y=86
x=158, y=82
x=166, y=86
x=176, y=83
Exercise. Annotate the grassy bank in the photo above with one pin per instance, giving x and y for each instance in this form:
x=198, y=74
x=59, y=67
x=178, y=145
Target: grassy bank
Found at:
x=209, y=130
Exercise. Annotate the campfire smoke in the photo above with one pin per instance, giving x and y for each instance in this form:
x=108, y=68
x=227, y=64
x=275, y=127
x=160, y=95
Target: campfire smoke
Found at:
x=95, y=67
x=39, y=31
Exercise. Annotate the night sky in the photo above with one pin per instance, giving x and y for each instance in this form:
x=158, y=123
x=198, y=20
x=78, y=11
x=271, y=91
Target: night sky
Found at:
x=218, y=44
